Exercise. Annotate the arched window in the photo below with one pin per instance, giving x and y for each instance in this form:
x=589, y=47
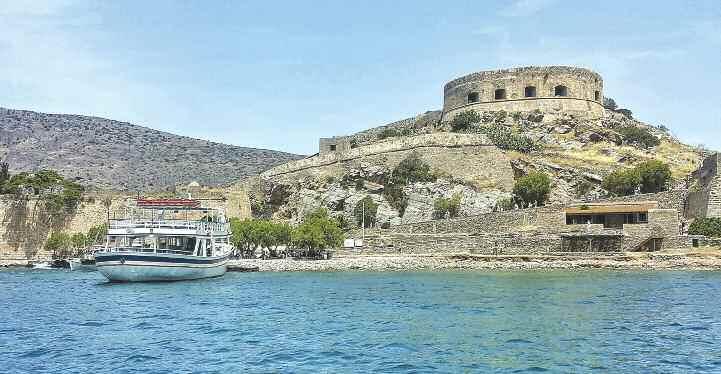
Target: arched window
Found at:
x=473, y=97
x=530, y=91
x=500, y=94
x=597, y=96
x=560, y=91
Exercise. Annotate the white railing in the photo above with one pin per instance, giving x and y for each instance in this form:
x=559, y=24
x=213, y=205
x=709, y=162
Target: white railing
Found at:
x=170, y=224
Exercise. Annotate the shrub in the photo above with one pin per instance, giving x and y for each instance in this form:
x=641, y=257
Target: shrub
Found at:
x=647, y=177
x=445, y=207
x=533, y=188
x=622, y=182
x=609, y=103
x=626, y=112
x=710, y=227
x=583, y=187
x=504, y=138
x=463, y=120
x=655, y=176
x=638, y=136
x=365, y=211
x=505, y=204
x=411, y=170
x=388, y=133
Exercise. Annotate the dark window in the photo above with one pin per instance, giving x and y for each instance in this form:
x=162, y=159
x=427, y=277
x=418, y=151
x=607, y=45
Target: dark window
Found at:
x=500, y=94
x=332, y=147
x=530, y=91
x=473, y=97
x=597, y=96
x=560, y=91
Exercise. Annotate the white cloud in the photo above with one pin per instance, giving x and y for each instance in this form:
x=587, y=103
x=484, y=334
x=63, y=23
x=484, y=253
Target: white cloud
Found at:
x=524, y=8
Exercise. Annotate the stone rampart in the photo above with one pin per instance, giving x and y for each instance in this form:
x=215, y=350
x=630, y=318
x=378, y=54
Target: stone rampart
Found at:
x=470, y=157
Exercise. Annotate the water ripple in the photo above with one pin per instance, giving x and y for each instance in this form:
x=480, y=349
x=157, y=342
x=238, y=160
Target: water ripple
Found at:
x=521, y=322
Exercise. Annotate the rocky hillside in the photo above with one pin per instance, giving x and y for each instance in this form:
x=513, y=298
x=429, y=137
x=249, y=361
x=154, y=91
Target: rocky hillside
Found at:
x=477, y=176
x=104, y=153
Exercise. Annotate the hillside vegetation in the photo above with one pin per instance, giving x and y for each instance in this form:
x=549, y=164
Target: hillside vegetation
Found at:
x=104, y=153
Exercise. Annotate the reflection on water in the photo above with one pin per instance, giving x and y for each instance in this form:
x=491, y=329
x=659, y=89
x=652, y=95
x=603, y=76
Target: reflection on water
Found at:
x=58, y=321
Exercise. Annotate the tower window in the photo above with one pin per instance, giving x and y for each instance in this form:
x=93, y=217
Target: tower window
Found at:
x=500, y=94
x=332, y=147
x=597, y=96
x=530, y=91
x=473, y=97
x=560, y=91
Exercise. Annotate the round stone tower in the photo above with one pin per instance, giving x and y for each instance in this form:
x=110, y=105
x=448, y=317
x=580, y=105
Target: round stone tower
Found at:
x=550, y=89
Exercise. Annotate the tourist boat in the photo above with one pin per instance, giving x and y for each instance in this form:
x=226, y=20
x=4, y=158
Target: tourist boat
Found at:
x=166, y=240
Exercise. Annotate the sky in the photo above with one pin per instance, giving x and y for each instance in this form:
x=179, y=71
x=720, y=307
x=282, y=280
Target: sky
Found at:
x=279, y=75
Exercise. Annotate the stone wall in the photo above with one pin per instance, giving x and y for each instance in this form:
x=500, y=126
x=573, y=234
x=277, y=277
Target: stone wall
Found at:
x=548, y=217
x=477, y=91
x=468, y=157
x=26, y=225
x=704, y=199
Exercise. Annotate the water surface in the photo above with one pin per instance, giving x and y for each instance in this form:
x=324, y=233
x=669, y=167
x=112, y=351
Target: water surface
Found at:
x=596, y=321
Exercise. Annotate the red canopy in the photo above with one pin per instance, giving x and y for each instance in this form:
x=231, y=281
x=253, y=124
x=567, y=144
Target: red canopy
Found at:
x=168, y=203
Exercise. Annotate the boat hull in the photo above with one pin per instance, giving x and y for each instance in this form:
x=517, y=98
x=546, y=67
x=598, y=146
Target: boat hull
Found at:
x=152, y=267
x=76, y=264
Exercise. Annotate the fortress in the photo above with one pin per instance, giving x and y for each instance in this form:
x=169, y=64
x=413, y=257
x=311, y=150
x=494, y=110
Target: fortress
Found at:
x=550, y=89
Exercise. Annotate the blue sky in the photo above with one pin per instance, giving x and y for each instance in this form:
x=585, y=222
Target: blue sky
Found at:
x=281, y=74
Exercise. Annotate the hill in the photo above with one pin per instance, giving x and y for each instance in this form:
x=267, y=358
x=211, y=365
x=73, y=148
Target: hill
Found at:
x=474, y=158
x=103, y=153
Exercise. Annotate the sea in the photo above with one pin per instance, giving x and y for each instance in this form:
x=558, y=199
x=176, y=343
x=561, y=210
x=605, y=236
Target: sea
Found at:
x=57, y=321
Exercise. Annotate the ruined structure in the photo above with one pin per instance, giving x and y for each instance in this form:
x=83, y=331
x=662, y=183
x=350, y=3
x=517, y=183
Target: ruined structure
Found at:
x=704, y=199
x=549, y=89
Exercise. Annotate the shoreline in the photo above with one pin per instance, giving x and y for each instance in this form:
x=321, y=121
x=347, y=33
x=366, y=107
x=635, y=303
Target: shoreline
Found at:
x=706, y=260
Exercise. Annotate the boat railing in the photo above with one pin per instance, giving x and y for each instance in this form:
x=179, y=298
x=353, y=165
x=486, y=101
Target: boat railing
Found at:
x=149, y=250
x=169, y=224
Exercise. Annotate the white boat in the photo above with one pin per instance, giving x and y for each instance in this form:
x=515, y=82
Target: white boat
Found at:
x=164, y=246
x=86, y=261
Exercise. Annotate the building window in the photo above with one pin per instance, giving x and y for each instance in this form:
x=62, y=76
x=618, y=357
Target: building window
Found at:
x=332, y=147
x=560, y=91
x=473, y=97
x=500, y=94
x=597, y=96
x=530, y=91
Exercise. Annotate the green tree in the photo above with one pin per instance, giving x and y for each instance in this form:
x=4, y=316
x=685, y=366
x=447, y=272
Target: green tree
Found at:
x=710, y=227
x=318, y=231
x=60, y=244
x=412, y=169
x=79, y=241
x=655, y=176
x=533, y=188
x=463, y=120
x=638, y=136
x=623, y=182
x=365, y=214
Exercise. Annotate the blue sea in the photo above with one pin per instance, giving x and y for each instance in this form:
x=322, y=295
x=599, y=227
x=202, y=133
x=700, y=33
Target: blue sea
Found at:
x=443, y=322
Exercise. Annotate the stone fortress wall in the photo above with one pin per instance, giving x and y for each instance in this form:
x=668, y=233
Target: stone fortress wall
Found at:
x=704, y=199
x=550, y=89
x=484, y=163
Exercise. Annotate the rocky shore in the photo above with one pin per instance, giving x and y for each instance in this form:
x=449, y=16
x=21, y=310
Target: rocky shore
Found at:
x=700, y=260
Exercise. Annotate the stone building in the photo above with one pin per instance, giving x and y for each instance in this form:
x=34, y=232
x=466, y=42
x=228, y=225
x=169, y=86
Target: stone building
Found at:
x=550, y=89
x=334, y=144
x=704, y=198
